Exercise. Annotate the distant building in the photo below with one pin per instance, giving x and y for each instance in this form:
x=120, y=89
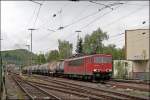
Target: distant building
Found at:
x=137, y=51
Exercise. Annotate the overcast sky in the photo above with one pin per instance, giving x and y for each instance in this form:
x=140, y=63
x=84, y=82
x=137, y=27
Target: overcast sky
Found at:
x=18, y=16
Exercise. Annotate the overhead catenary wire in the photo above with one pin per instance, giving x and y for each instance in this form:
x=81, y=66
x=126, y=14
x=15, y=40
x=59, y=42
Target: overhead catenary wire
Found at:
x=29, y=21
x=95, y=13
x=37, y=14
x=122, y=41
x=137, y=36
x=31, y=18
x=116, y=35
x=81, y=12
x=83, y=18
x=122, y=35
x=54, y=15
x=87, y=16
x=123, y=17
x=27, y=24
x=98, y=18
x=101, y=4
x=136, y=4
x=60, y=14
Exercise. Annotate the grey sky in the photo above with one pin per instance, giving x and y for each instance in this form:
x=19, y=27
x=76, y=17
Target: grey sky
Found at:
x=18, y=16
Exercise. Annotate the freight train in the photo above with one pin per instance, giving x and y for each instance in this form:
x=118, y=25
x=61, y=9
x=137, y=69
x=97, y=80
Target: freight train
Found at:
x=91, y=67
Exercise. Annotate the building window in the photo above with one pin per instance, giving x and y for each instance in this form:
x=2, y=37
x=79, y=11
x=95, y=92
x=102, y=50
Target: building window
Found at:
x=143, y=33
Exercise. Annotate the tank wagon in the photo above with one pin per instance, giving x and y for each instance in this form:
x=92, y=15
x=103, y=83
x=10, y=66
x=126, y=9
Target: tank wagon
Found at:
x=91, y=67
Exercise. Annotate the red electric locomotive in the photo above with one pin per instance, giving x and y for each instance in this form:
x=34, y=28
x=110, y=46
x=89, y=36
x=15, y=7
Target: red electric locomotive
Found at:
x=97, y=66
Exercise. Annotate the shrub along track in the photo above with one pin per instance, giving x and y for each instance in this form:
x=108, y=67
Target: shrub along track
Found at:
x=92, y=93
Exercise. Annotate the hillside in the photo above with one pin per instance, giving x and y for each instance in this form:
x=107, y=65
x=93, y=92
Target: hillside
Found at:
x=18, y=57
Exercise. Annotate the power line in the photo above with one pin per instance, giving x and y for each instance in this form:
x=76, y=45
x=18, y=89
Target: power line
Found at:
x=60, y=15
x=37, y=15
x=88, y=16
x=127, y=15
x=36, y=2
x=97, y=18
x=120, y=34
x=83, y=18
x=139, y=38
x=139, y=26
x=80, y=13
x=120, y=40
x=101, y=4
x=54, y=15
x=31, y=18
x=137, y=4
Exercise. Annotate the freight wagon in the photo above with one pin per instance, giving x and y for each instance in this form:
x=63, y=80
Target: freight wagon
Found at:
x=91, y=67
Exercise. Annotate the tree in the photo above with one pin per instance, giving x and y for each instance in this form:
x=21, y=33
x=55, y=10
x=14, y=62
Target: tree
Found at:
x=117, y=53
x=41, y=59
x=79, y=47
x=93, y=43
x=53, y=55
x=86, y=44
x=65, y=49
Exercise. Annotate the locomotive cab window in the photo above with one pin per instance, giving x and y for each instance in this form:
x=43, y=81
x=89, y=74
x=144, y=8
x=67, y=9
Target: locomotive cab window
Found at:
x=102, y=59
x=77, y=62
x=98, y=59
x=107, y=59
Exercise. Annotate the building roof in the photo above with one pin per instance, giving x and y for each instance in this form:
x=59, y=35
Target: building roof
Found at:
x=136, y=29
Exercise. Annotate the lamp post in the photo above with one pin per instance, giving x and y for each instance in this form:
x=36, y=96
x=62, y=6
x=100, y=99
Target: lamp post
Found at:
x=28, y=46
x=31, y=29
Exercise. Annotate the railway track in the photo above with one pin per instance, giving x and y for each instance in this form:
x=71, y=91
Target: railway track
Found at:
x=130, y=85
x=79, y=92
x=132, y=81
x=127, y=84
x=32, y=91
x=104, y=93
x=134, y=86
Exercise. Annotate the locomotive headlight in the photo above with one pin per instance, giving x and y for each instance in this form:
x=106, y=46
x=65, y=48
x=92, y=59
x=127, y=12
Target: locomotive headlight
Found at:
x=95, y=70
x=110, y=70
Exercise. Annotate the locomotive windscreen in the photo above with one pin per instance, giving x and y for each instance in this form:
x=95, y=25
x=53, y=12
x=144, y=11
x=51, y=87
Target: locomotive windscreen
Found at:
x=102, y=59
